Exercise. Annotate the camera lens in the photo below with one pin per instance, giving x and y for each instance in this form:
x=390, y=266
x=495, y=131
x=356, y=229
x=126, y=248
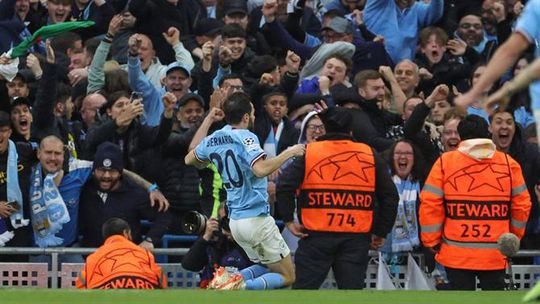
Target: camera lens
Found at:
x=194, y=223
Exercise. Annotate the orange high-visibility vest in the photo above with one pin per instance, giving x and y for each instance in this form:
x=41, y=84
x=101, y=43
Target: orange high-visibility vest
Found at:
x=120, y=264
x=466, y=204
x=338, y=189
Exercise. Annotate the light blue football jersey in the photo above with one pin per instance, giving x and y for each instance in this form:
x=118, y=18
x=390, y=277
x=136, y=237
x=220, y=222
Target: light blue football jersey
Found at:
x=234, y=151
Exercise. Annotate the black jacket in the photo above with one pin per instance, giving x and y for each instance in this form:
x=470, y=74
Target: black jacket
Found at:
x=154, y=17
x=448, y=71
x=137, y=138
x=239, y=67
x=528, y=157
x=385, y=201
x=414, y=131
x=26, y=159
x=179, y=182
x=45, y=121
x=130, y=202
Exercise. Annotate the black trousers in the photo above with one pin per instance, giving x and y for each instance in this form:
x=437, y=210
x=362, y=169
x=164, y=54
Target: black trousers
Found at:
x=347, y=256
x=462, y=279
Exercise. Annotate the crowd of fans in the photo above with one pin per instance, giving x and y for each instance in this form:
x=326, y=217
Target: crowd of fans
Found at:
x=397, y=65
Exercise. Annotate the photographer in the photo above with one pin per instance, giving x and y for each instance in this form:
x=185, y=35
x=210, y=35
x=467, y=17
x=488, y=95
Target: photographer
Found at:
x=215, y=248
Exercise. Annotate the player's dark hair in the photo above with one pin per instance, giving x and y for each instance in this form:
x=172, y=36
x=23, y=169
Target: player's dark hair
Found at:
x=114, y=226
x=236, y=106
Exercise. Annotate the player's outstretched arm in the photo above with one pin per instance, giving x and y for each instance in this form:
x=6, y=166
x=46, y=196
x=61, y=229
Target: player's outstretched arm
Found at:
x=192, y=160
x=503, y=95
x=264, y=167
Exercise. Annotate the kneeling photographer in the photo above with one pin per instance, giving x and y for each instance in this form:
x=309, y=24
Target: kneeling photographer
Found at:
x=215, y=247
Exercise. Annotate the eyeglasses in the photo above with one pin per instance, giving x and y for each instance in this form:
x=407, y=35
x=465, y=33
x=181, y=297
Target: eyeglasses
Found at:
x=103, y=171
x=467, y=26
x=315, y=127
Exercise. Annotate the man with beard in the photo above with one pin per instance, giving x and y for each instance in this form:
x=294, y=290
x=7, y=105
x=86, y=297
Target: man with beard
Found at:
x=497, y=25
x=371, y=88
x=243, y=167
x=190, y=111
x=109, y=193
x=471, y=30
x=64, y=179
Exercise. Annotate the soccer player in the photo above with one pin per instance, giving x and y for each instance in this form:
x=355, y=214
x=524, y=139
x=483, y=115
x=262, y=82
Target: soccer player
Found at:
x=243, y=167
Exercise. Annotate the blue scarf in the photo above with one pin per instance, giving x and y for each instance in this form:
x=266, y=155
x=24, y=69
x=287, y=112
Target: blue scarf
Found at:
x=404, y=234
x=271, y=144
x=14, y=194
x=48, y=209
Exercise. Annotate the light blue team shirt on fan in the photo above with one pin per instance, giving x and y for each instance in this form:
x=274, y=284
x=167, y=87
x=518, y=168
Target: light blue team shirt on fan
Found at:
x=234, y=151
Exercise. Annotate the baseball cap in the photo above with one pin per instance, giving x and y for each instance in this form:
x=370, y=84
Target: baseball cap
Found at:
x=5, y=119
x=177, y=65
x=17, y=101
x=208, y=27
x=23, y=75
x=235, y=7
x=189, y=97
x=108, y=156
x=339, y=25
x=337, y=120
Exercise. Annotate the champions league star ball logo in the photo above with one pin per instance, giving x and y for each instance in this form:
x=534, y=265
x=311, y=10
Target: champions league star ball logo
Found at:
x=249, y=141
x=107, y=163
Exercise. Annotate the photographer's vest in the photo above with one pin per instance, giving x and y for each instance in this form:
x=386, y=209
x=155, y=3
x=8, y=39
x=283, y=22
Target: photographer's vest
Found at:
x=337, y=194
x=476, y=199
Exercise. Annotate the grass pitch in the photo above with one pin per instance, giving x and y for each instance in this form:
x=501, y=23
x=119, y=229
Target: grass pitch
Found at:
x=45, y=296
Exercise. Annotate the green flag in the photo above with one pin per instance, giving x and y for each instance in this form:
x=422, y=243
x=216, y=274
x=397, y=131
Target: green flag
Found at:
x=47, y=32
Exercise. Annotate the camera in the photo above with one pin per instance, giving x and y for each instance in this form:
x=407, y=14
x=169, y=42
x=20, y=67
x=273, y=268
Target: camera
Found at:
x=14, y=205
x=136, y=95
x=194, y=222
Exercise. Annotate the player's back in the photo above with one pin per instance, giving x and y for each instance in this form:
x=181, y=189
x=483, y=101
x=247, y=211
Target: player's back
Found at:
x=234, y=151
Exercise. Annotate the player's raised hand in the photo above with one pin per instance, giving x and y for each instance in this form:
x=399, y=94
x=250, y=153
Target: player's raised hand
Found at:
x=215, y=115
